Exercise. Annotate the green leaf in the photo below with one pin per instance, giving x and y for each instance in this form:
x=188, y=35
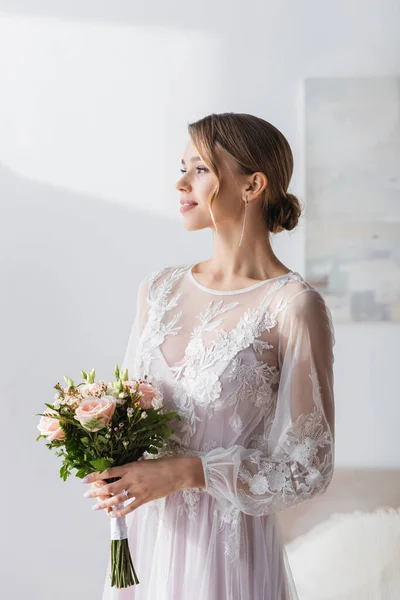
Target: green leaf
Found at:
x=64, y=472
x=69, y=381
x=102, y=439
x=51, y=406
x=94, y=423
x=101, y=464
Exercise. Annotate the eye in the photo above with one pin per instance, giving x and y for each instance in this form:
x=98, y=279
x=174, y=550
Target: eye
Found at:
x=198, y=168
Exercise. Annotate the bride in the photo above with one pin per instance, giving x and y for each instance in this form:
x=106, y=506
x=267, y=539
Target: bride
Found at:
x=242, y=347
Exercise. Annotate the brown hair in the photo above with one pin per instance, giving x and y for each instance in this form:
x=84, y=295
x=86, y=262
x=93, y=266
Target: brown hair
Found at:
x=256, y=145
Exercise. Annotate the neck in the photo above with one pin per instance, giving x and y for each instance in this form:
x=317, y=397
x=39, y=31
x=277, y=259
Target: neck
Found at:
x=254, y=259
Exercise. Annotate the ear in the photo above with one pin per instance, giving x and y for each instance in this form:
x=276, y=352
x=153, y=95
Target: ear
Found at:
x=256, y=186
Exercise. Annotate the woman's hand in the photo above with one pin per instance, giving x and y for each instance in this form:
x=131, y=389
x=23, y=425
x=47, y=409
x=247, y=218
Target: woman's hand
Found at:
x=144, y=481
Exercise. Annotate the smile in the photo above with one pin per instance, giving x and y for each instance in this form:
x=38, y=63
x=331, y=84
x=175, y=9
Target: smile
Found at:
x=186, y=207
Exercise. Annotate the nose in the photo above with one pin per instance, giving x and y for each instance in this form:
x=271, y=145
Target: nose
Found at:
x=181, y=185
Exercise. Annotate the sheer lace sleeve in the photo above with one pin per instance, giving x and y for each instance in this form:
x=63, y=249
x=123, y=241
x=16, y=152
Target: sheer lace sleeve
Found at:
x=139, y=321
x=300, y=457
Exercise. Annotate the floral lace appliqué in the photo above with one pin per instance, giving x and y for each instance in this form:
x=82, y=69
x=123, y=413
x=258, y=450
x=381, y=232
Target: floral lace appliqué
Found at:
x=256, y=383
x=295, y=471
x=196, y=384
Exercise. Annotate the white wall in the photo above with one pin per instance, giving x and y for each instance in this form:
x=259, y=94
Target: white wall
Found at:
x=94, y=101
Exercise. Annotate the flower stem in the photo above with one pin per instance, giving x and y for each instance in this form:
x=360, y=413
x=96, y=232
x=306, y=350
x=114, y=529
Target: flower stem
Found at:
x=123, y=573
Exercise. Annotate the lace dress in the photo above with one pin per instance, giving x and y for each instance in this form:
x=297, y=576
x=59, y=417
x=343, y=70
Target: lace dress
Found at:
x=250, y=372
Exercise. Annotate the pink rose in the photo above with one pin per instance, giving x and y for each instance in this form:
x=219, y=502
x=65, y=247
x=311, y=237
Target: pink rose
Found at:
x=92, y=407
x=149, y=393
x=50, y=427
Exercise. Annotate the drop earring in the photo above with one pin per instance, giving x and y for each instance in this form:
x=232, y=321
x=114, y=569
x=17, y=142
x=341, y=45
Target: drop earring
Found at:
x=244, y=220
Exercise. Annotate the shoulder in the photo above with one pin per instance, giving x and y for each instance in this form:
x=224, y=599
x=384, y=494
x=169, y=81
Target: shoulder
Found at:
x=302, y=301
x=305, y=314
x=297, y=292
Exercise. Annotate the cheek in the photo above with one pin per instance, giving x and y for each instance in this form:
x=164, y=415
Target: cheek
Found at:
x=225, y=206
x=203, y=192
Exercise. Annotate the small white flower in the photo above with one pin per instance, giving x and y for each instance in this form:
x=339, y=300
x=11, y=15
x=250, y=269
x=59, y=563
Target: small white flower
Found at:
x=314, y=477
x=258, y=485
x=278, y=477
x=129, y=412
x=304, y=451
x=121, y=399
x=157, y=402
x=144, y=415
x=125, y=443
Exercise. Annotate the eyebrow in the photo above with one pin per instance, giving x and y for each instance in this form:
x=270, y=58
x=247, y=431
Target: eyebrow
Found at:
x=193, y=159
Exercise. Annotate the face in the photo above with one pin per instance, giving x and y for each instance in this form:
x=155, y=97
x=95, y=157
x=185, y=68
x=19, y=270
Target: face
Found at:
x=198, y=182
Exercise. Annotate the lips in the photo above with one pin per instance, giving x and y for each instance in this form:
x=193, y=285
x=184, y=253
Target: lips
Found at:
x=190, y=202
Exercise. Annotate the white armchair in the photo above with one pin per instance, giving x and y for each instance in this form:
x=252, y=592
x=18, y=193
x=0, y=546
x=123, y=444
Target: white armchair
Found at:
x=350, y=556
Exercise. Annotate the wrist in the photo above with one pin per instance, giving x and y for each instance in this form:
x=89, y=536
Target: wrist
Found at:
x=192, y=472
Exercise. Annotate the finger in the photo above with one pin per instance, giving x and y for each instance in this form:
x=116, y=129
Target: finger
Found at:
x=97, y=489
x=103, y=497
x=107, y=474
x=100, y=505
x=106, y=489
x=114, y=501
x=122, y=512
x=98, y=485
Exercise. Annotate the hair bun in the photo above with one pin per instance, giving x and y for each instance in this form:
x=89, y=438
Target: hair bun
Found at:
x=284, y=214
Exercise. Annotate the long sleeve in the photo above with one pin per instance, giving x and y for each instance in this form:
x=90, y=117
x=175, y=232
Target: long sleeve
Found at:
x=139, y=320
x=300, y=458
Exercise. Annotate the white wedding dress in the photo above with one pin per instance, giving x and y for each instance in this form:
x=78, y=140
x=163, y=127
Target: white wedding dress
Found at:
x=250, y=372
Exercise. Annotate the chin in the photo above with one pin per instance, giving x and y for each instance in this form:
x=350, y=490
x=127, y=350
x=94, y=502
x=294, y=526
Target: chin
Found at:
x=194, y=225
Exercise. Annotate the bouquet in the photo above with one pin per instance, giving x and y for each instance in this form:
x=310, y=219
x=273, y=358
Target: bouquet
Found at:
x=95, y=426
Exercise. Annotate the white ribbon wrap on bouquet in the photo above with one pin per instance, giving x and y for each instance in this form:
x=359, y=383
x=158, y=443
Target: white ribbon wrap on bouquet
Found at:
x=119, y=529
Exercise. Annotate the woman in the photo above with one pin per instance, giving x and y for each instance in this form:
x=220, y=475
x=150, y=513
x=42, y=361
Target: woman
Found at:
x=242, y=347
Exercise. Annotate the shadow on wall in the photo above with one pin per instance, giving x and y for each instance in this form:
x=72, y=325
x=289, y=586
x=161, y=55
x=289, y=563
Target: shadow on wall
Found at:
x=70, y=266
x=71, y=263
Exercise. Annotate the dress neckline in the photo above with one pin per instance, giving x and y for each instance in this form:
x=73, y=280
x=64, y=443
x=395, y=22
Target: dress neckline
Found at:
x=231, y=292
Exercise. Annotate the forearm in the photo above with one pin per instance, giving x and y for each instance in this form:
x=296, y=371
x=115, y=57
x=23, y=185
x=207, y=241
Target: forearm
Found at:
x=191, y=472
x=258, y=484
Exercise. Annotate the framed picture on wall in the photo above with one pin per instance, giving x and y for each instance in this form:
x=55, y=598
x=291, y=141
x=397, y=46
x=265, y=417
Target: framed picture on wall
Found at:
x=352, y=136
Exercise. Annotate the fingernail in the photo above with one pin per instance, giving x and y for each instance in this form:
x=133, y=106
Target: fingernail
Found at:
x=86, y=494
x=85, y=480
x=112, y=514
x=95, y=507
